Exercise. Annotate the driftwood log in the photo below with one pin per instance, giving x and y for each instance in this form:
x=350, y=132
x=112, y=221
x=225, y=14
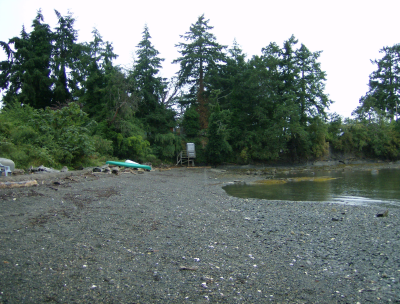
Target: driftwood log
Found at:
x=18, y=184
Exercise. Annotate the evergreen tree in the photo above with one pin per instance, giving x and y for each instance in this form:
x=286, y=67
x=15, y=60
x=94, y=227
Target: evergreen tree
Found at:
x=384, y=85
x=295, y=95
x=150, y=89
x=95, y=72
x=66, y=53
x=368, y=109
x=238, y=92
x=26, y=73
x=218, y=149
x=12, y=69
x=149, y=86
x=120, y=104
x=273, y=104
x=191, y=123
x=39, y=94
x=311, y=85
x=200, y=55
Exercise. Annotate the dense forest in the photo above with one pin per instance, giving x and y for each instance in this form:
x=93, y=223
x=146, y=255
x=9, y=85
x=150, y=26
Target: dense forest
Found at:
x=66, y=103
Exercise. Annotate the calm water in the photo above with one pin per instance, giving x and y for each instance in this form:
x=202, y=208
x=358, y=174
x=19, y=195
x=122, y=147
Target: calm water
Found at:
x=349, y=187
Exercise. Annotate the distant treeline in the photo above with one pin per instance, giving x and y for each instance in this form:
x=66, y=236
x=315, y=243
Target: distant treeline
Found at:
x=66, y=103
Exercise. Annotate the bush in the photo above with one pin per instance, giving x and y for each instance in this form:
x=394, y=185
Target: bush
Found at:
x=167, y=146
x=48, y=137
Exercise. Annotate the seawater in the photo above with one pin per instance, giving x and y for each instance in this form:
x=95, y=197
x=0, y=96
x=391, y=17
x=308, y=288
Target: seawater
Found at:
x=357, y=187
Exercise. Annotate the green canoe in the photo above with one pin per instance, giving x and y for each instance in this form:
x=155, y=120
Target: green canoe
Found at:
x=130, y=165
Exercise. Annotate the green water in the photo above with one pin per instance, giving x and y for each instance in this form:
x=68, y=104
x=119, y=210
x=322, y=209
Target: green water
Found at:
x=348, y=187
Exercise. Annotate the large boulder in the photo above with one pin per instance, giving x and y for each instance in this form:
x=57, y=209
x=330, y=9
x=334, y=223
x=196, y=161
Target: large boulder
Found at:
x=7, y=162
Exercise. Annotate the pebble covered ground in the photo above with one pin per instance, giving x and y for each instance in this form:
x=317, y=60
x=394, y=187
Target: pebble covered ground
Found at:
x=175, y=236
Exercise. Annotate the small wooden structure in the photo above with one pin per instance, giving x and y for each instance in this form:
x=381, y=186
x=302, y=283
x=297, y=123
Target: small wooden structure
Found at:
x=187, y=156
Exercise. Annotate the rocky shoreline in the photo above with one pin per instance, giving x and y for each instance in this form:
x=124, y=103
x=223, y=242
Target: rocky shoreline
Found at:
x=228, y=170
x=175, y=236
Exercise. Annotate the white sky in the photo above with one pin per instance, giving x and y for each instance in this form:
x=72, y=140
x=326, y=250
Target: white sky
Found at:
x=349, y=32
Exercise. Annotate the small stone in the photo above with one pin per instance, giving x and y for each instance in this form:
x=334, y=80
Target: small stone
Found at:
x=383, y=214
x=188, y=268
x=115, y=171
x=156, y=276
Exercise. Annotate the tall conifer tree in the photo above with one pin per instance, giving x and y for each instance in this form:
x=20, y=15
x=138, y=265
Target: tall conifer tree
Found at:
x=200, y=54
x=37, y=89
x=384, y=85
x=150, y=88
x=26, y=73
x=149, y=85
x=65, y=54
x=95, y=73
x=312, y=99
x=12, y=69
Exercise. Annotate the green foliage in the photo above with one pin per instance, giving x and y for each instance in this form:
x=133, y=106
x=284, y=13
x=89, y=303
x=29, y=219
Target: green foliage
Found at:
x=276, y=101
x=167, y=146
x=379, y=139
x=98, y=78
x=218, y=149
x=200, y=57
x=133, y=147
x=45, y=68
x=334, y=130
x=26, y=72
x=156, y=116
x=191, y=123
x=66, y=53
x=265, y=108
x=298, y=97
x=318, y=138
x=102, y=146
x=128, y=140
x=384, y=87
x=48, y=137
x=244, y=155
x=147, y=85
x=384, y=84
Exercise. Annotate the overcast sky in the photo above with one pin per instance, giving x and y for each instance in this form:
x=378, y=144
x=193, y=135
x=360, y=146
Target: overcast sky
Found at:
x=350, y=33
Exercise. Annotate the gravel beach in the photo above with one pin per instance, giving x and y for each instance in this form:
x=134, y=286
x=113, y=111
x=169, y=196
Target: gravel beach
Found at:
x=175, y=236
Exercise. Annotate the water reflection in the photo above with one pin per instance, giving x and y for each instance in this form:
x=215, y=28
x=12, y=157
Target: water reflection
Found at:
x=350, y=187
